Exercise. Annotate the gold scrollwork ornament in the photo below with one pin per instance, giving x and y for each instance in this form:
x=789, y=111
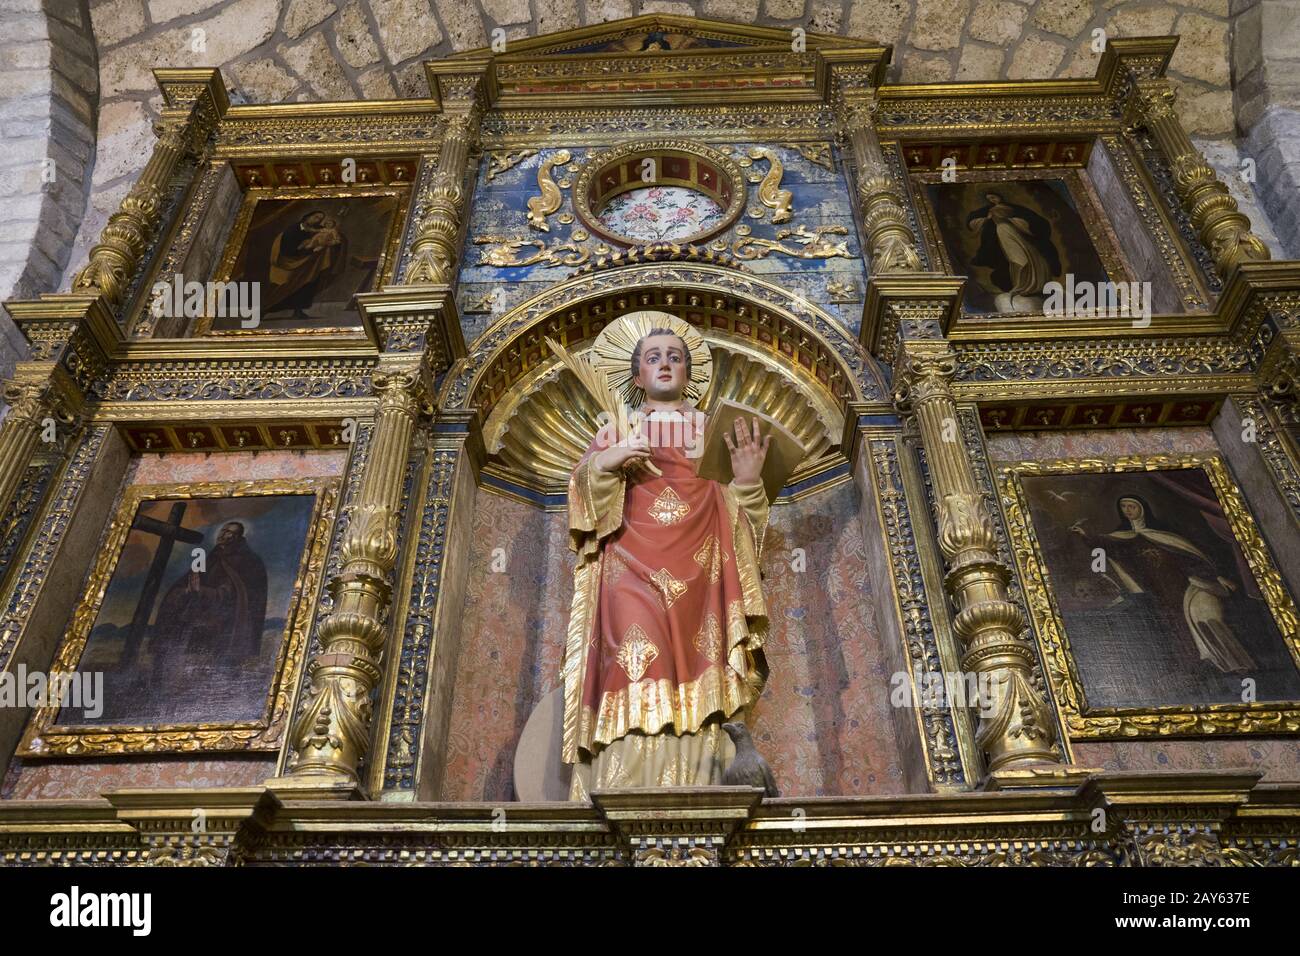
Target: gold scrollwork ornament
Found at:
x=543, y=205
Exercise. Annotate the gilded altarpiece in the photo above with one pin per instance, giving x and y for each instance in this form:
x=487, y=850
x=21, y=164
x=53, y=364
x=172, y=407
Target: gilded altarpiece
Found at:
x=789, y=206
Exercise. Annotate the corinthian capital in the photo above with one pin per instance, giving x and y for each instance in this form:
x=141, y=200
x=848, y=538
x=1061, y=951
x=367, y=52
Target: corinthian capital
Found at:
x=1152, y=99
x=923, y=371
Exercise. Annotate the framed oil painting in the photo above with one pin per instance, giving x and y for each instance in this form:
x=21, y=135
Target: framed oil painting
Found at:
x=1013, y=232
x=1160, y=609
x=309, y=251
x=195, y=620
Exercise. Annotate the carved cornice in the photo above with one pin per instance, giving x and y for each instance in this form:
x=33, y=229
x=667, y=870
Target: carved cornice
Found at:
x=1187, y=818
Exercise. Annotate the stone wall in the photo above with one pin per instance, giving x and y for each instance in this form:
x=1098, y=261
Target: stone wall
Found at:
x=49, y=88
x=1266, y=65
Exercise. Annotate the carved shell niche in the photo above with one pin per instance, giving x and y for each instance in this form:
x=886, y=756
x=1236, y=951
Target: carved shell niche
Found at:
x=537, y=441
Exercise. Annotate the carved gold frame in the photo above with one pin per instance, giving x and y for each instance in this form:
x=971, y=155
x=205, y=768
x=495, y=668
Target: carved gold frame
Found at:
x=44, y=738
x=1086, y=203
x=244, y=220
x=597, y=162
x=1184, y=720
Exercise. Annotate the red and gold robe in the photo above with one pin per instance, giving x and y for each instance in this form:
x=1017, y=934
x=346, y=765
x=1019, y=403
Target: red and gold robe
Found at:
x=665, y=639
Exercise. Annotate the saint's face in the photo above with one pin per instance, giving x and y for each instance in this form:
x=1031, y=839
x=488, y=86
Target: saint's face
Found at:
x=229, y=534
x=662, y=368
x=1130, y=509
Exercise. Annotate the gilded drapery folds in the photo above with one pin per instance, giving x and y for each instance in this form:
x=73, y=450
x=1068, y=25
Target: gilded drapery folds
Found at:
x=667, y=626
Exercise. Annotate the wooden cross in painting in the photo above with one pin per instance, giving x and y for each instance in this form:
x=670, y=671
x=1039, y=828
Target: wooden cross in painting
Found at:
x=168, y=532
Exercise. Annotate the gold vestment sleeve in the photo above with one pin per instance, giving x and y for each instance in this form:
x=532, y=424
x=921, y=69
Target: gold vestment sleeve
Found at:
x=595, y=505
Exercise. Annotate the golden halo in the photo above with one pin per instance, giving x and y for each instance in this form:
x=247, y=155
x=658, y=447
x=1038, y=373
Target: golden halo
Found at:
x=612, y=353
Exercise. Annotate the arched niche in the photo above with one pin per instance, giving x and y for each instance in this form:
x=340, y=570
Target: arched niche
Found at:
x=772, y=349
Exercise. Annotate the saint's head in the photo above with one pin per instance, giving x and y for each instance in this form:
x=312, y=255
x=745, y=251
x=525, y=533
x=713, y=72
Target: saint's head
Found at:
x=230, y=535
x=993, y=199
x=661, y=365
x=1135, y=512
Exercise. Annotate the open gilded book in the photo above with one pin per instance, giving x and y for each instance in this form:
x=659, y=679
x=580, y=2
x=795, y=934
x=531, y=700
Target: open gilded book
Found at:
x=783, y=453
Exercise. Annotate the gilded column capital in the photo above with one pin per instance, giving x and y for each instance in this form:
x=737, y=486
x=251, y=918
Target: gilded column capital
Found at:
x=908, y=308
x=43, y=402
x=414, y=321
x=923, y=373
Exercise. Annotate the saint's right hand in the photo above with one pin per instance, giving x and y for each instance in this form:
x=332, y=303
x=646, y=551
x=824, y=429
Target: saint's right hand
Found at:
x=635, y=447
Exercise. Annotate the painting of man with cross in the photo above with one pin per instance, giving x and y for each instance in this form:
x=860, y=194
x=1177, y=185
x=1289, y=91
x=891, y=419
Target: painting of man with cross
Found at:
x=194, y=614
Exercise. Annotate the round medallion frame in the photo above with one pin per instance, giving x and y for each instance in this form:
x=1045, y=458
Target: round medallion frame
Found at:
x=676, y=163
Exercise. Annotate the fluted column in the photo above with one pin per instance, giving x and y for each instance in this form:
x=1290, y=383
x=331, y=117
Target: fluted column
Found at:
x=1015, y=729
x=891, y=244
x=434, y=251
x=36, y=401
x=332, y=732
x=195, y=101
x=1223, y=230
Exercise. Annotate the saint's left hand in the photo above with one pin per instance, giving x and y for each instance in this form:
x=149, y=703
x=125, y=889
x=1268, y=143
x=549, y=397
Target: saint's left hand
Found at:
x=748, y=452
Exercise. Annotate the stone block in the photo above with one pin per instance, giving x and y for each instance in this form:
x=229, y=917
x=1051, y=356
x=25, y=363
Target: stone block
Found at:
x=1202, y=52
x=302, y=15
x=117, y=21
x=352, y=37
x=1063, y=17
x=937, y=24
x=1036, y=58
x=314, y=62
x=264, y=81
x=997, y=21
x=979, y=63
x=463, y=23
x=880, y=20
x=407, y=28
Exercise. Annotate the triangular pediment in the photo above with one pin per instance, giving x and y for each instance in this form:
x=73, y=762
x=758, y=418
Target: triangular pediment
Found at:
x=661, y=33
x=662, y=58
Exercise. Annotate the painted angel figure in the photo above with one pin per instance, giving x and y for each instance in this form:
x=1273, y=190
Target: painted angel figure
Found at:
x=665, y=638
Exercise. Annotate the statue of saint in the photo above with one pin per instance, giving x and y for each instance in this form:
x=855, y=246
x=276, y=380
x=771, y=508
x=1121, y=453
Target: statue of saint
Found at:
x=665, y=638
